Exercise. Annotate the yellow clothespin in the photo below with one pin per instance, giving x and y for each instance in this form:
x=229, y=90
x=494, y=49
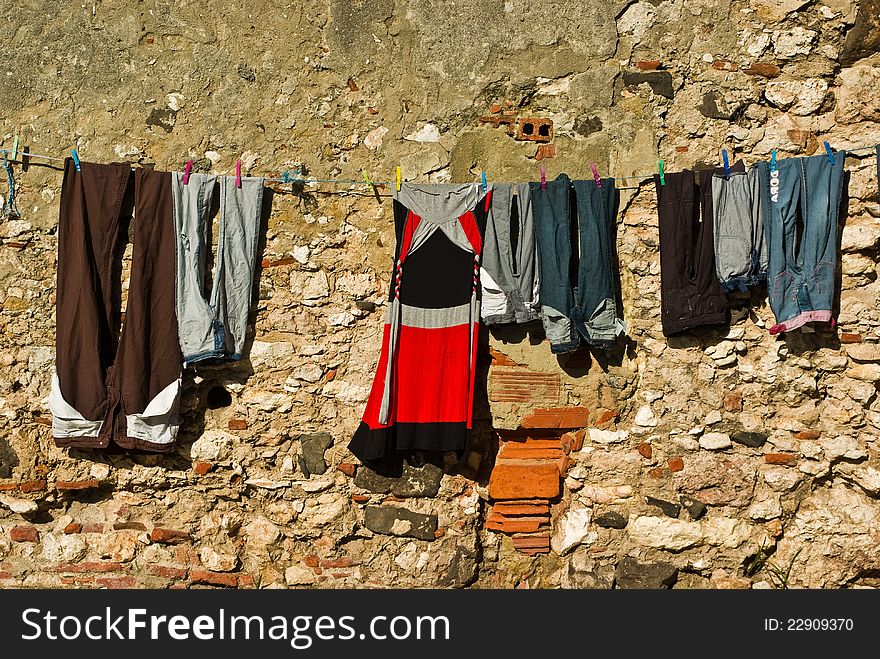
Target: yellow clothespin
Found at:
x=398, y=178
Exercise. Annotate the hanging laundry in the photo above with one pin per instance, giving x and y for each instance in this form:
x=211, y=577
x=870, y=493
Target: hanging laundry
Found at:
x=509, y=275
x=423, y=391
x=106, y=386
x=801, y=205
x=215, y=329
x=690, y=293
x=740, y=248
x=578, y=283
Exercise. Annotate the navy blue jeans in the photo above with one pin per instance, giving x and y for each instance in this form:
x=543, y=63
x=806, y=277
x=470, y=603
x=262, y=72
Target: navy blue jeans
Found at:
x=578, y=288
x=801, y=203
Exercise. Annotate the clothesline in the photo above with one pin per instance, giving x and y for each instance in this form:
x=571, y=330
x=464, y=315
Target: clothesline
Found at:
x=287, y=177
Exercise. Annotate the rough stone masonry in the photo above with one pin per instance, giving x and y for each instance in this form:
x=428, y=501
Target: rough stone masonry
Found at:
x=725, y=459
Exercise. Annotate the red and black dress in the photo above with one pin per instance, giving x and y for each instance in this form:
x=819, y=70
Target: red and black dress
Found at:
x=423, y=392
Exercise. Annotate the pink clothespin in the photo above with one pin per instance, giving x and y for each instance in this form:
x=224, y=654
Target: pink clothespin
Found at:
x=596, y=175
x=186, y=171
x=543, y=177
x=238, y=173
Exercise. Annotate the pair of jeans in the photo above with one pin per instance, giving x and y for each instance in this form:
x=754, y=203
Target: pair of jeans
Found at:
x=690, y=293
x=801, y=202
x=111, y=386
x=578, y=289
x=509, y=275
x=214, y=328
x=740, y=247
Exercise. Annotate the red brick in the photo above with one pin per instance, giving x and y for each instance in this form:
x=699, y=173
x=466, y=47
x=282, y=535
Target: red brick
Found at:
x=545, y=151
x=557, y=417
x=606, y=416
x=289, y=260
x=169, y=536
x=178, y=586
x=87, y=484
x=500, y=359
x=360, y=498
x=657, y=472
x=521, y=385
x=213, y=578
x=117, y=583
x=780, y=458
x=96, y=566
x=645, y=450
x=33, y=486
x=510, y=509
x=536, y=123
x=564, y=463
x=237, y=424
x=73, y=527
x=8, y=487
x=524, y=482
x=311, y=560
x=347, y=468
x=202, y=468
x=495, y=108
x=847, y=337
x=807, y=434
x=681, y=149
x=675, y=464
x=24, y=533
x=724, y=65
x=5, y=575
x=344, y=561
x=733, y=401
x=167, y=571
x=517, y=524
x=532, y=544
x=534, y=449
x=763, y=69
x=648, y=64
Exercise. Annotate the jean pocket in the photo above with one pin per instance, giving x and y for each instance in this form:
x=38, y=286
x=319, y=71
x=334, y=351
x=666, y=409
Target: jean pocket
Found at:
x=732, y=257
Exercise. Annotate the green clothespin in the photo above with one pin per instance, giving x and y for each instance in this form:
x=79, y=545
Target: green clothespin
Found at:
x=14, y=147
x=372, y=185
x=662, y=174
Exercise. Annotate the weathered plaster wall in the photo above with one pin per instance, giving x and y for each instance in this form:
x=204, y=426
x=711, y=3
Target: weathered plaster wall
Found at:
x=343, y=86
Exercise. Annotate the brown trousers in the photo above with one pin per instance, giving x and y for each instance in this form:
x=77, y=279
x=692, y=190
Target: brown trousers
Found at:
x=111, y=386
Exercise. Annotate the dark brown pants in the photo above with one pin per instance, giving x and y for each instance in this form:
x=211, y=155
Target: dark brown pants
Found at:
x=111, y=386
x=690, y=293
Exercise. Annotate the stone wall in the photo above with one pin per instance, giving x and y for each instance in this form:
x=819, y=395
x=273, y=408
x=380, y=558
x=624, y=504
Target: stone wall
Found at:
x=715, y=459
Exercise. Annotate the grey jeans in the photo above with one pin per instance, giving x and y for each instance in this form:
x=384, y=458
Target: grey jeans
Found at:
x=740, y=248
x=509, y=275
x=215, y=328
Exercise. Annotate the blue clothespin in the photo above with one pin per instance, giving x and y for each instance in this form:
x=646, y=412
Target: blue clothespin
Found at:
x=543, y=177
x=662, y=173
x=773, y=161
x=726, y=163
x=484, y=183
x=829, y=151
x=596, y=175
x=75, y=156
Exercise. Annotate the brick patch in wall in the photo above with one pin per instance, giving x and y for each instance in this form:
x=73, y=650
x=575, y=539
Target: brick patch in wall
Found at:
x=557, y=417
x=524, y=481
x=521, y=385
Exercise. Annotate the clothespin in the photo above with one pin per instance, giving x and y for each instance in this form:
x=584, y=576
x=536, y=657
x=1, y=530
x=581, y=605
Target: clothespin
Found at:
x=372, y=185
x=726, y=163
x=543, y=177
x=829, y=151
x=596, y=175
x=238, y=173
x=773, y=161
x=483, y=182
x=662, y=174
x=75, y=157
x=399, y=178
x=14, y=147
x=186, y=171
